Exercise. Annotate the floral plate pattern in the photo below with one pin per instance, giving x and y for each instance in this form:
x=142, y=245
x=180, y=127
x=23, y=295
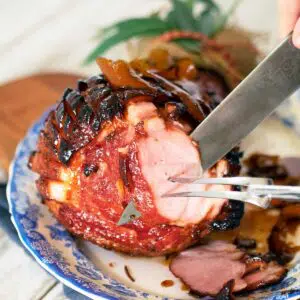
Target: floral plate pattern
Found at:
x=57, y=252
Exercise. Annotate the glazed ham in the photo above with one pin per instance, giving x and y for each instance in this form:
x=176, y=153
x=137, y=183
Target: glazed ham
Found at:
x=207, y=269
x=117, y=139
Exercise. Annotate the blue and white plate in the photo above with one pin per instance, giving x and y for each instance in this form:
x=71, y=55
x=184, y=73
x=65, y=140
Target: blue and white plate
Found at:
x=98, y=273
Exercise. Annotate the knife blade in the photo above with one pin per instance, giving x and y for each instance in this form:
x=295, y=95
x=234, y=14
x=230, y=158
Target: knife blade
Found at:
x=255, y=98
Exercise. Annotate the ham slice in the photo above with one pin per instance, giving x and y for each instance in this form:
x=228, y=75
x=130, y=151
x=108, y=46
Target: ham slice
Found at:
x=270, y=274
x=207, y=269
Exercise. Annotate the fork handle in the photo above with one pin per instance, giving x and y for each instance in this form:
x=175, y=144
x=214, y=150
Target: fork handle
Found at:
x=286, y=193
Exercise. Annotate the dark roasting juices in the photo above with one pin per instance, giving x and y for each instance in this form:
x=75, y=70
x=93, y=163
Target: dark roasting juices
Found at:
x=167, y=283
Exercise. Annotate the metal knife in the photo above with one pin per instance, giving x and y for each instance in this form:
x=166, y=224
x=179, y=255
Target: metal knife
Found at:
x=255, y=98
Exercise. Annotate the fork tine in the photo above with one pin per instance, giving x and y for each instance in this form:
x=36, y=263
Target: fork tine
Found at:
x=261, y=201
x=242, y=181
x=234, y=195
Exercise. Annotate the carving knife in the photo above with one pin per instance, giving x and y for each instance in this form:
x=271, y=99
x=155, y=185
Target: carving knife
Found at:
x=255, y=98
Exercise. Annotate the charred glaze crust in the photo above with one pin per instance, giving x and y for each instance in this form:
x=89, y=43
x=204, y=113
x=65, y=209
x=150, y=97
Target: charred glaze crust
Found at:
x=78, y=117
x=88, y=169
x=226, y=292
x=232, y=213
x=124, y=170
x=30, y=160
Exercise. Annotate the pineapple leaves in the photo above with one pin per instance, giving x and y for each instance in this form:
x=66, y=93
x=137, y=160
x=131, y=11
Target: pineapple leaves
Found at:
x=210, y=4
x=206, y=22
x=171, y=19
x=124, y=30
x=190, y=4
x=224, y=19
x=189, y=45
x=181, y=16
x=130, y=24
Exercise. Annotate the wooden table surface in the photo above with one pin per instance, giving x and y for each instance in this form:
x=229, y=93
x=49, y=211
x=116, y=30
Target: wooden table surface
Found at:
x=55, y=35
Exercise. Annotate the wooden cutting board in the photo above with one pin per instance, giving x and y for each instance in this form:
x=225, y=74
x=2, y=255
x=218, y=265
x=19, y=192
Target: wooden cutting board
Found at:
x=22, y=102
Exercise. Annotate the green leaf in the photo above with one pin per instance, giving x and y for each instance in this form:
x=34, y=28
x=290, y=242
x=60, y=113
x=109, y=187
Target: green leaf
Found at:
x=124, y=30
x=190, y=4
x=171, y=19
x=224, y=19
x=131, y=24
x=189, y=45
x=183, y=15
x=121, y=36
x=207, y=21
x=210, y=4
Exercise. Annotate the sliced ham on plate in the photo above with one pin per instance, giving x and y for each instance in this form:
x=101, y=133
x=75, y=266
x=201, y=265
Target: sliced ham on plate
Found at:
x=207, y=269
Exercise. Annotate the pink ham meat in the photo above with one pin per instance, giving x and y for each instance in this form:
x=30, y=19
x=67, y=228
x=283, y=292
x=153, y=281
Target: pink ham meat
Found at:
x=208, y=268
x=167, y=152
